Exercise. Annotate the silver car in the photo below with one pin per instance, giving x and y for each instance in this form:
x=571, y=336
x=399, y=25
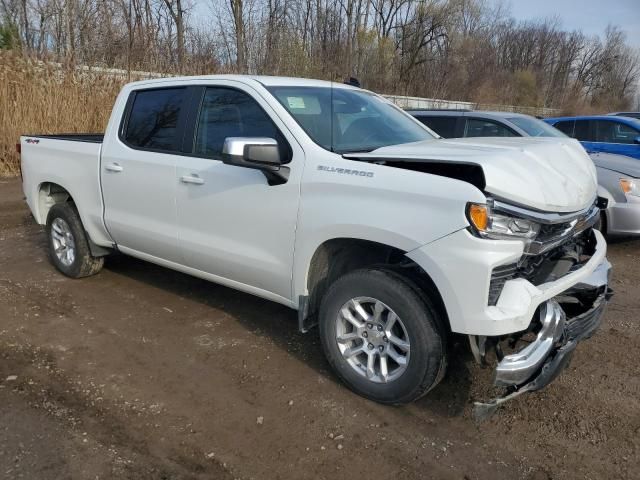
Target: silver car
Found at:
x=618, y=176
x=619, y=183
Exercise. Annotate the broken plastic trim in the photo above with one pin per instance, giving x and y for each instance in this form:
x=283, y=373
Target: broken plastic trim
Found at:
x=469, y=172
x=573, y=330
x=550, y=370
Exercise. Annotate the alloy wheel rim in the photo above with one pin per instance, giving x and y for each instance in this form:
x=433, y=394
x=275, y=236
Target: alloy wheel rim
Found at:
x=372, y=339
x=64, y=245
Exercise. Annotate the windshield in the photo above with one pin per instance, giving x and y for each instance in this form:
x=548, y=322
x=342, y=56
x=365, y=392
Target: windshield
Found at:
x=536, y=128
x=358, y=122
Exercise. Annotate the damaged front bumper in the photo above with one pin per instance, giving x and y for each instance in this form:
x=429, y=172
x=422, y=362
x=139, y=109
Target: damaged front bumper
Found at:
x=564, y=321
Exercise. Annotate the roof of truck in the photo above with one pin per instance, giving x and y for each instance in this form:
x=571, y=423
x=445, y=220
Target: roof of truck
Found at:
x=265, y=80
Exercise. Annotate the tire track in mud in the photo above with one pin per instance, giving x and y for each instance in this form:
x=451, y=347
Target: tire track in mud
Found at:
x=80, y=411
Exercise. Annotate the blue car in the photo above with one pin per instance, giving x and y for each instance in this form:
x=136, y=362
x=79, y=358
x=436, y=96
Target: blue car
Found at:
x=602, y=133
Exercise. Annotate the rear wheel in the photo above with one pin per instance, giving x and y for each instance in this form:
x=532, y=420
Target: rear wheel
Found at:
x=382, y=336
x=69, y=249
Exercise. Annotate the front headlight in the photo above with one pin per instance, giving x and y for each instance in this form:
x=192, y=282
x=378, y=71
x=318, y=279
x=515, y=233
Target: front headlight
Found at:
x=487, y=223
x=630, y=186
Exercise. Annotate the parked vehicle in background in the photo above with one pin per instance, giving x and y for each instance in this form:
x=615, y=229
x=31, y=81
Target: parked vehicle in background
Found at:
x=617, y=175
x=477, y=123
x=626, y=114
x=619, y=183
x=332, y=201
x=602, y=133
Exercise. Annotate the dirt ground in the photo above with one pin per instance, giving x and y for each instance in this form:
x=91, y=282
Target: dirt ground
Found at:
x=142, y=372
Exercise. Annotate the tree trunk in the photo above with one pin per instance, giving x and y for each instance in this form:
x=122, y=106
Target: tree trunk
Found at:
x=238, y=23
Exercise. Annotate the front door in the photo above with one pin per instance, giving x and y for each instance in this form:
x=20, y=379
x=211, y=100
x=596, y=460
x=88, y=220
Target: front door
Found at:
x=612, y=136
x=231, y=222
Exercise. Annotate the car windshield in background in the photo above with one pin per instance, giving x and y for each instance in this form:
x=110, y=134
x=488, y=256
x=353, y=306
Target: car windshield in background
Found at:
x=358, y=122
x=535, y=127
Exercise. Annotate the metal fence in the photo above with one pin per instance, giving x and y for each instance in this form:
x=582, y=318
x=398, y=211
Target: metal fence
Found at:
x=434, y=103
x=429, y=103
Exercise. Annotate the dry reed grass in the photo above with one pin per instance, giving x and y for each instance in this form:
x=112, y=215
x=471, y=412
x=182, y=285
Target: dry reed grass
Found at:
x=36, y=98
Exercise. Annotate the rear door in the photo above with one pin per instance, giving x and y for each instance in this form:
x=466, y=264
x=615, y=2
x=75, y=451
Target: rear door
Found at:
x=138, y=173
x=231, y=222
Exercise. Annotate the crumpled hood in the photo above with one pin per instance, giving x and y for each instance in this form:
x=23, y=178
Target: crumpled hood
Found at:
x=548, y=174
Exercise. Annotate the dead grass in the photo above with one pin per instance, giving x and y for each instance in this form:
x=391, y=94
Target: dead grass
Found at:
x=36, y=98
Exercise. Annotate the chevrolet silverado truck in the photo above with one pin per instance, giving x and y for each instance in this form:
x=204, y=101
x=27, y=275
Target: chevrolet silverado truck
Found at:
x=330, y=200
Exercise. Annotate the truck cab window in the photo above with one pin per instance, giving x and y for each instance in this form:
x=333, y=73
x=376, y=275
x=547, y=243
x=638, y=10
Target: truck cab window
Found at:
x=227, y=112
x=153, y=120
x=348, y=120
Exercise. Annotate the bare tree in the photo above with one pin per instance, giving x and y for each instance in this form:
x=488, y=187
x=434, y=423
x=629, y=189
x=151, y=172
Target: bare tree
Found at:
x=460, y=49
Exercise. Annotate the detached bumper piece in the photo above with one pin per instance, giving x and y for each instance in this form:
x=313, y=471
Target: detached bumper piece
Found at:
x=562, y=322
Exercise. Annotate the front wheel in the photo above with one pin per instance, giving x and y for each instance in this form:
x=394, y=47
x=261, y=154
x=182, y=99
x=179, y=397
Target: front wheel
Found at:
x=69, y=249
x=382, y=336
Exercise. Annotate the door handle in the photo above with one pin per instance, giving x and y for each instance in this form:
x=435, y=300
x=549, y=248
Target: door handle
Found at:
x=192, y=179
x=113, y=167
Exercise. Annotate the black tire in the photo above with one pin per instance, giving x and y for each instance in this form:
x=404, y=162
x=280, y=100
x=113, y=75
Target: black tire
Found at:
x=424, y=327
x=84, y=264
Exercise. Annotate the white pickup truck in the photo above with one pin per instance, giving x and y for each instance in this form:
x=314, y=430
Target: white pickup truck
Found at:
x=329, y=199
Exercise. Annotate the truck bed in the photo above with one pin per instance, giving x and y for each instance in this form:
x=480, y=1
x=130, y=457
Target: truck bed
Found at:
x=73, y=162
x=75, y=137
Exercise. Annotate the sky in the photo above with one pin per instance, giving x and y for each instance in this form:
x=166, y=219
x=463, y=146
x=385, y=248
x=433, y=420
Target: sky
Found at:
x=590, y=16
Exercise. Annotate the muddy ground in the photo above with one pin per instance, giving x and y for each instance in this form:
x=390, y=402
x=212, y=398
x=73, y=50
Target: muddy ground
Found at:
x=142, y=372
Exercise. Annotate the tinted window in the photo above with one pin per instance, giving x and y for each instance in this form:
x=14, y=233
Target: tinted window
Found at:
x=443, y=126
x=154, y=119
x=486, y=128
x=536, y=128
x=614, y=132
x=565, y=127
x=230, y=113
x=345, y=120
x=581, y=131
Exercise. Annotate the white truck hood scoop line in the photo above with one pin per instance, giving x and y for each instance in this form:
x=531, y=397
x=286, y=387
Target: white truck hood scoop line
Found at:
x=547, y=174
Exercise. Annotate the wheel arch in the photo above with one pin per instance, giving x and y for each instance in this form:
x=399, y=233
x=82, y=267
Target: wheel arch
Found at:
x=336, y=257
x=49, y=194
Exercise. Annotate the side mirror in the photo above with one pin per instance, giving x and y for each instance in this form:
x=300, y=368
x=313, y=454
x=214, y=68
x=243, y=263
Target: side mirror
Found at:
x=251, y=152
x=256, y=153
x=637, y=140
